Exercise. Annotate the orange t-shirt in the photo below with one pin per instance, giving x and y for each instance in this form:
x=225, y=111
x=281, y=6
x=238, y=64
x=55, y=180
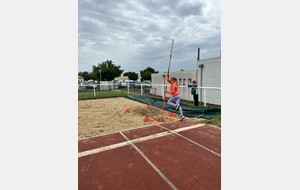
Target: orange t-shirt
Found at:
x=174, y=88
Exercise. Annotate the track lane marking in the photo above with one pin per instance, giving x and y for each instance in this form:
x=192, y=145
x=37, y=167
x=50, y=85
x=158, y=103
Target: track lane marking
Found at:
x=178, y=130
x=152, y=165
x=110, y=147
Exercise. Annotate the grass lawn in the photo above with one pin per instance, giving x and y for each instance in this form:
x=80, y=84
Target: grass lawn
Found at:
x=215, y=121
x=102, y=94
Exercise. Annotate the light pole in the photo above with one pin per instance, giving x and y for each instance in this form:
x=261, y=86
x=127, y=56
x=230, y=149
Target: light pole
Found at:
x=100, y=80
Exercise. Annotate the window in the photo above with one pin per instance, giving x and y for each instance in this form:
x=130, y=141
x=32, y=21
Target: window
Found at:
x=190, y=81
x=180, y=81
x=184, y=82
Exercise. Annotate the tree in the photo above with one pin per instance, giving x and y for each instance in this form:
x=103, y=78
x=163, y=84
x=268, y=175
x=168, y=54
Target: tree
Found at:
x=131, y=75
x=125, y=74
x=146, y=73
x=150, y=69
x=86, y=75
x=109, y=71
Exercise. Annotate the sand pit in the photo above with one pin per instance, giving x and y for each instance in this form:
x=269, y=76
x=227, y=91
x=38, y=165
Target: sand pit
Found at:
x=102, y=116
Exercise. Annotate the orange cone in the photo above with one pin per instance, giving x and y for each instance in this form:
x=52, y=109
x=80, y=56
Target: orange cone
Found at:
x=127, y=111
x=146, y=119
x=148, y=106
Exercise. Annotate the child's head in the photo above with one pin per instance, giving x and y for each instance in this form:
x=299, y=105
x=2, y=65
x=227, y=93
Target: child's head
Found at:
x=173, y=79
x=194, y=82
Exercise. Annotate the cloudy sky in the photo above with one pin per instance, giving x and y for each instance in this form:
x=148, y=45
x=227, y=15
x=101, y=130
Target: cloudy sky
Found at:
x=137, y=34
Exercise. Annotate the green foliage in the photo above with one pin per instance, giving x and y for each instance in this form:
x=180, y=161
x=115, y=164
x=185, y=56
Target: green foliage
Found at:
x=215, y=121
x=131, y=75
x=86, y=75
x=150, y=69
x=109, y=71
x=146, y=73
x=102, y=94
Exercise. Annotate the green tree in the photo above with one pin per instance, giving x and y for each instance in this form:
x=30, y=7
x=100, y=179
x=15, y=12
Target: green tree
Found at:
x=131, y=75
x=146, y=73
x=109, y=71
x=86, y=75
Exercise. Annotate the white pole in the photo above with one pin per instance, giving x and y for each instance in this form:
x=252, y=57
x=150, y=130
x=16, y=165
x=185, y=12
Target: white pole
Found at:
x=187, y=92
x=94, y=90
x=141, y=89
x=100, y=81
x=204, y=96
x=128, y=88
x=162, y=91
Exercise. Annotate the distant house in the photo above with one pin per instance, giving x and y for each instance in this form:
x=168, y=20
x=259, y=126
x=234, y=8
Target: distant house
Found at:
x=80, y=79
x=123, y=79
x=126, y=79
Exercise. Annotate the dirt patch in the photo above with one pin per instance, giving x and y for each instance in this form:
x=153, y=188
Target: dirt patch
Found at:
x=148, y=112
x=102, y=116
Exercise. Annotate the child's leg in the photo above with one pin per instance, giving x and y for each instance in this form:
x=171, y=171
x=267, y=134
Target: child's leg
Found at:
x=177, y=103
x=196, y=99
x=171, y=100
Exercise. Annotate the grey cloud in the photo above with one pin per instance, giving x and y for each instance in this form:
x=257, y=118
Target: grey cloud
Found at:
x=138, y=35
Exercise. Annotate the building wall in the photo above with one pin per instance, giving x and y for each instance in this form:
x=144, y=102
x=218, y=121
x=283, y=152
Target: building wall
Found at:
x=80, y=80
x=184, y=78
x=211, y=78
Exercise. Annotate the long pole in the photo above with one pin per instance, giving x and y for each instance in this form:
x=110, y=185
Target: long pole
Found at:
x=167, y=78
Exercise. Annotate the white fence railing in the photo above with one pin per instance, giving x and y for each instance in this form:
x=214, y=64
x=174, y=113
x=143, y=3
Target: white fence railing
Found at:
x=159, y=90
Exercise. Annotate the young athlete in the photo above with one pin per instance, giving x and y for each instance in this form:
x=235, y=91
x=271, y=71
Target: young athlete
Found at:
x=175, y=96
x=194, y=92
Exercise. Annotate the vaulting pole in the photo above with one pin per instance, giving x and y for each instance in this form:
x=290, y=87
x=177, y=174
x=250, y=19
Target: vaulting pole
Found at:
x=162, y=113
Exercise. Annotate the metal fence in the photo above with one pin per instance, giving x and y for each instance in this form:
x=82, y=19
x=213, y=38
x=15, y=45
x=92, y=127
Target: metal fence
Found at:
x=211, y=95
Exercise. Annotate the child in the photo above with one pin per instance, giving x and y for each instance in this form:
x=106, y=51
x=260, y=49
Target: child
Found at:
x=194, y=92
x=175, y=96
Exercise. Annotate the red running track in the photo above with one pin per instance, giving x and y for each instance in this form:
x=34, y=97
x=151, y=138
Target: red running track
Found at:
x=179, y=161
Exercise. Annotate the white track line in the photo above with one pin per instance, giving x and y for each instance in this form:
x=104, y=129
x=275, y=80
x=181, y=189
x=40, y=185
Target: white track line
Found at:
x=96, y=150
x=175, y=132
x=153, y=166
x=124, y=130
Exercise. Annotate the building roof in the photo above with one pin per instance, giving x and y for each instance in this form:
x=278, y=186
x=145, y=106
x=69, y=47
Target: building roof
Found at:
x=122, y=78
x=80, y=77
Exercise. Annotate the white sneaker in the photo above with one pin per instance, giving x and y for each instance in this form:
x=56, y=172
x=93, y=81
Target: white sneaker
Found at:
x=182, y=118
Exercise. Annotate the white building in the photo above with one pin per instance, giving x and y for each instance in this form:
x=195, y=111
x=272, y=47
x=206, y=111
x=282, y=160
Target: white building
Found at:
x=208, y=74
x=211, y=77
x=80, y=79
x=184, y=78
x=123, y=80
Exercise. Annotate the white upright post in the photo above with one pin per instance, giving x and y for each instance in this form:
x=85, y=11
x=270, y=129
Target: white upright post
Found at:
x=187, y=93
x=128, y=88
x=204, y=96
x=94, y=90
x=141, y=89
x=100, y=80
x=162, y=91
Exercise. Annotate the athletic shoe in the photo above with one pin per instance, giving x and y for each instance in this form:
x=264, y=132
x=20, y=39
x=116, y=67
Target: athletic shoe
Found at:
x=182, y=118
x=177, y=107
